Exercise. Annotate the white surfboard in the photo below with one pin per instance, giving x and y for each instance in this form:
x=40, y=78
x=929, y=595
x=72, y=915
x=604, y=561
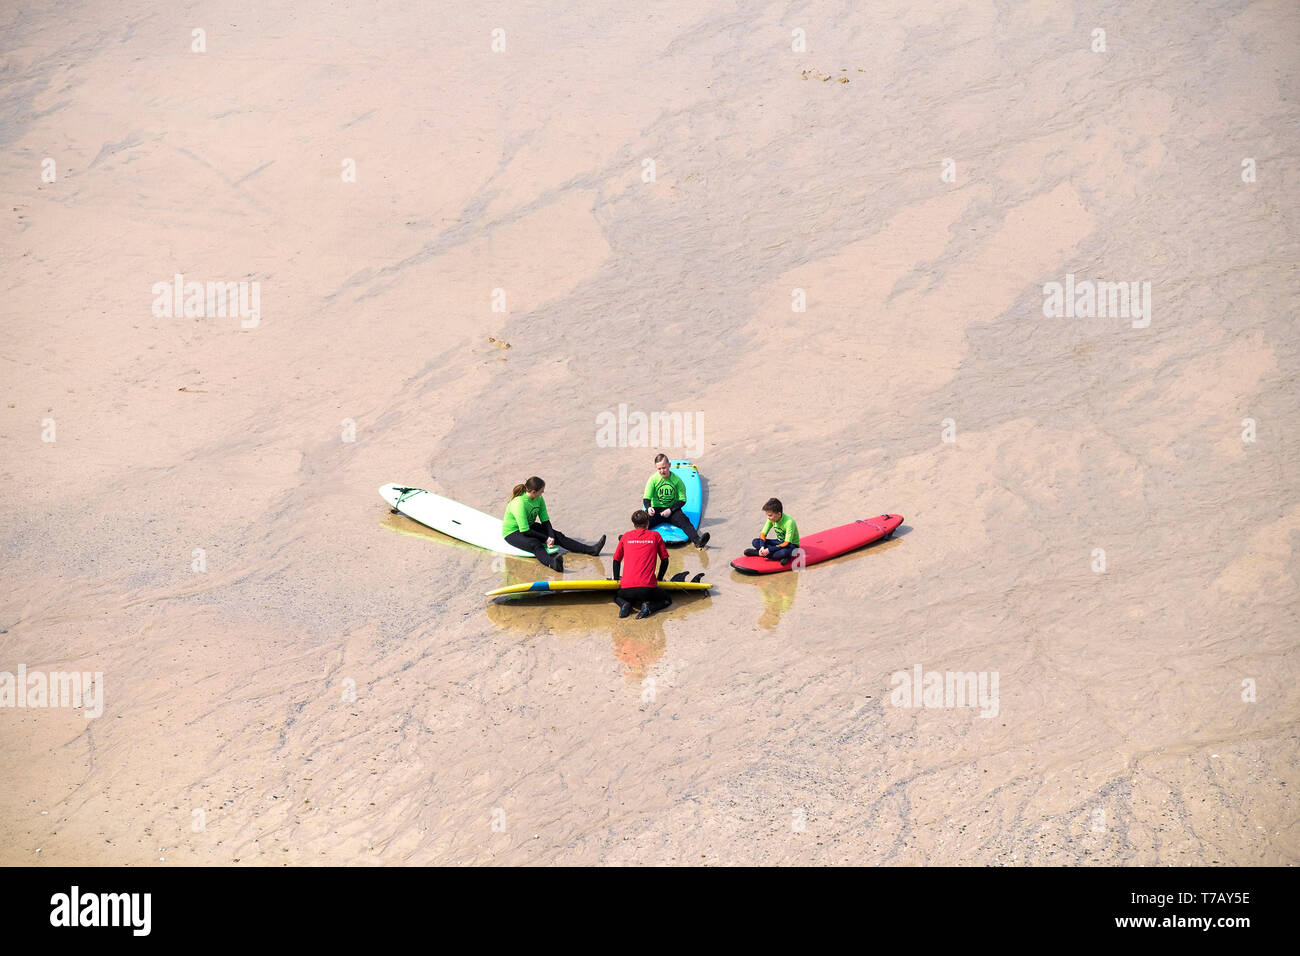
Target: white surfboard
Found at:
x=451, y=518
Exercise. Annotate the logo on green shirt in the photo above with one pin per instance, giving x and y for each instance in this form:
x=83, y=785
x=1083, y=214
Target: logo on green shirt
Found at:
x=664, y=491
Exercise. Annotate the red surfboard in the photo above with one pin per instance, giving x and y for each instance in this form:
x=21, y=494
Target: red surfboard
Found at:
x=825, y=545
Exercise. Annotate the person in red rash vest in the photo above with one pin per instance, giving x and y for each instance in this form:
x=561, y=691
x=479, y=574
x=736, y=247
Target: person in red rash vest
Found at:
x=638, y=584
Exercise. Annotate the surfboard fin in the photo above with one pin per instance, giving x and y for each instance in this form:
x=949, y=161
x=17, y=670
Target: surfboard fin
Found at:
x=696, y=579
x=679, y=576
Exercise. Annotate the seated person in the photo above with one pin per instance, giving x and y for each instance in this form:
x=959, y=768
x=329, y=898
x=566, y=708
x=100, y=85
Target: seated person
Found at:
x=784, y=544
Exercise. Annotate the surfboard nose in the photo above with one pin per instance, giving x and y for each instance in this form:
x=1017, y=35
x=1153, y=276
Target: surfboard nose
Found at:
x=392, y=492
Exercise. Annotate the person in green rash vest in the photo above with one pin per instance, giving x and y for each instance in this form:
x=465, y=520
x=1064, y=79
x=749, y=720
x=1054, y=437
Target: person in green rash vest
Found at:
x=527, y=526
x=665, y=497
x=783, y=546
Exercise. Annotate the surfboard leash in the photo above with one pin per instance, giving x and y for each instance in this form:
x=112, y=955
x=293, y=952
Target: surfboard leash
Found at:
x=402, y=495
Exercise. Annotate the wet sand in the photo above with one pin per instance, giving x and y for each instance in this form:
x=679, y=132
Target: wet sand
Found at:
x=333, y=687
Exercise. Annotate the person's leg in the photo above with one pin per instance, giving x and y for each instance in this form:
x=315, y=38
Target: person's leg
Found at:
x=653, y=604
x=624, y=601
x=635, y=599
x=655, y=600
x=577, y=547
x=678, y=518
x=535, y=544
x=781, y=552
x=760, y=543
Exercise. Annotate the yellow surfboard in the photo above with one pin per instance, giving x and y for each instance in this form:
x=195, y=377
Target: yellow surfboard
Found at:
x=592, y=586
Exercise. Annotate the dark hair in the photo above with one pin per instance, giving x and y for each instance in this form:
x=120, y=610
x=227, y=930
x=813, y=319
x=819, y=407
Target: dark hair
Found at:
x=640, y=519
x=532, y=484
x=774, y=504
x=660, y=457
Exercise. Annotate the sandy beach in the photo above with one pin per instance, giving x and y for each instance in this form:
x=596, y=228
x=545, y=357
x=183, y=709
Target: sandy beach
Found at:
x=825, y=237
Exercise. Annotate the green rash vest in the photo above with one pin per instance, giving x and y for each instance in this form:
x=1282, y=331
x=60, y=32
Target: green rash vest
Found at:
x=664, y=492
x=522, y=512
x=786, y=530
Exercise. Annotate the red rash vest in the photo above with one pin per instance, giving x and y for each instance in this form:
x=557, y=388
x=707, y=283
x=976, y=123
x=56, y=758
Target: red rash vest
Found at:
x=637, y=551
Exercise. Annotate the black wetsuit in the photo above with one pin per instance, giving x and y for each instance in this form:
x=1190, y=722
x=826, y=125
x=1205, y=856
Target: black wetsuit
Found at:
x=534, y=542
x=677, y=518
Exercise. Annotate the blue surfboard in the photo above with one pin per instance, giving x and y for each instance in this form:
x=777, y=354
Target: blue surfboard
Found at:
x=690, y=476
